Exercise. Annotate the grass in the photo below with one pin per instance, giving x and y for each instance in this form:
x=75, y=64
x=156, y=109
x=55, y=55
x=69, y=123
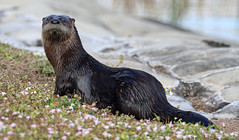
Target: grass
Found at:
x=30, y=111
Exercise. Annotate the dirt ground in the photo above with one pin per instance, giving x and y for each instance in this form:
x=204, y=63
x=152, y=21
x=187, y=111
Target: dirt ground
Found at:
x=227, y=125
x=224, y=124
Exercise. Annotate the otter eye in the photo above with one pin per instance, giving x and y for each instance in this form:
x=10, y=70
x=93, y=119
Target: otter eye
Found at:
x=63, y=20
x=48, y=19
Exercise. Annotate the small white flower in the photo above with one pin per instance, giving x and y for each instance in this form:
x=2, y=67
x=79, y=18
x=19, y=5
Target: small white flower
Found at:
x=223, y=124
x=52, y=111
x=64, y=138
x=24, y=92
x=106, y=134
x=106, y=127
x=68, y=133
x=46, y=99
x=4, y=93
x=14, y=113
x=7, y=110
x=155, y=128
x=167, y=138
x=9, y=132
x=71, y=125
x=33, y=126
x=28, y=117
x=22, y=134
x=138, y=128
x=78, y=133
x=58, y=110
x=13, y=125
x=85, y=131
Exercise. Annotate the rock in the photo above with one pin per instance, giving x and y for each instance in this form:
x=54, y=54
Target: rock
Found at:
x=222, y=78
x=190, y=89
x=94, y=43
x=132, y=26
x=194, y=67
x=230, y=94
x=207, y=115
x=215, y=102
x=27, y=29
x=180, y=103
x=129, y=62
x=13, y=41
x=189, y=54
x=228, y=111
x=165, y=50
x=232, y=108
x=218, y=116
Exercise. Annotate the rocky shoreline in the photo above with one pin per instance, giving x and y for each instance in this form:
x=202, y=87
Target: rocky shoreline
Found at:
x=183, y=61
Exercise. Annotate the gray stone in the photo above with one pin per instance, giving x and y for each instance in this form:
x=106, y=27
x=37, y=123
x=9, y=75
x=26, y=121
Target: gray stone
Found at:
x=189, y=54
x=129, y=62
x=132, y=26
x=231, y=94
x=180, y=103
x=194, y=67
x=218, y=116
x=215, y=102
x=232, y=108
x=12, y=41
x=190, y=89
x=229, y=111
x=222, y=78
x=207, y=115
x=166, y=49
x=27, y=29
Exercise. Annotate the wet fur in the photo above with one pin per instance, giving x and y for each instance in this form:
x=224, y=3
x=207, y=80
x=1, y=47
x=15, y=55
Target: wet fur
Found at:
x=128, y=91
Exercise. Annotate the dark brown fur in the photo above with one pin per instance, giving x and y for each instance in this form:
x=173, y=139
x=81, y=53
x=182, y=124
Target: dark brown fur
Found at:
x=128, y=91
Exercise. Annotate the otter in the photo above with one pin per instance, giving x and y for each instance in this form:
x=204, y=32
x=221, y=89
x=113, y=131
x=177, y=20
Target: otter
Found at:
x=128, y=91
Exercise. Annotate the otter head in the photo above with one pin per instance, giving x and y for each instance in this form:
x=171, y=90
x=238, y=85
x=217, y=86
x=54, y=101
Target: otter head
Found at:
x=57, y=27
x=59, y=37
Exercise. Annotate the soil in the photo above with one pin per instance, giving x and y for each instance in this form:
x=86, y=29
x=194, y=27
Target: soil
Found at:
x=198, y=104
x=226, y=125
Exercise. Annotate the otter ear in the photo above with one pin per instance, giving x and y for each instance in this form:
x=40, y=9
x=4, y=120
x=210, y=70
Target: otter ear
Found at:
x=73, y=21
x=43, y=18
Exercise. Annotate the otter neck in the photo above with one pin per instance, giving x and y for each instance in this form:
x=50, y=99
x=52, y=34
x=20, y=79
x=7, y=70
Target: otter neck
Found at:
x=61, y=54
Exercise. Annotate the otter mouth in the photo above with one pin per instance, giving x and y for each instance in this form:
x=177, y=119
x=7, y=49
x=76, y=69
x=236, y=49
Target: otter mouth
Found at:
x=54, y=34
x=54, y=31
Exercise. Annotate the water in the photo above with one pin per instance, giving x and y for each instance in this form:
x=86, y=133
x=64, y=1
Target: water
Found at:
x=218, y=18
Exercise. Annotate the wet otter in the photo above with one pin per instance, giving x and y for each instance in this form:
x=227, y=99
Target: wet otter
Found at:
x=126, y=90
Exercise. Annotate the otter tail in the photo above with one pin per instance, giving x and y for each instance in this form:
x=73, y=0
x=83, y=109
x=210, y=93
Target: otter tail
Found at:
x=192, y=117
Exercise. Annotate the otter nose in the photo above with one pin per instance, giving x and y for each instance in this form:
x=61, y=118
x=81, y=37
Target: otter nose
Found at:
x=55, y=21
